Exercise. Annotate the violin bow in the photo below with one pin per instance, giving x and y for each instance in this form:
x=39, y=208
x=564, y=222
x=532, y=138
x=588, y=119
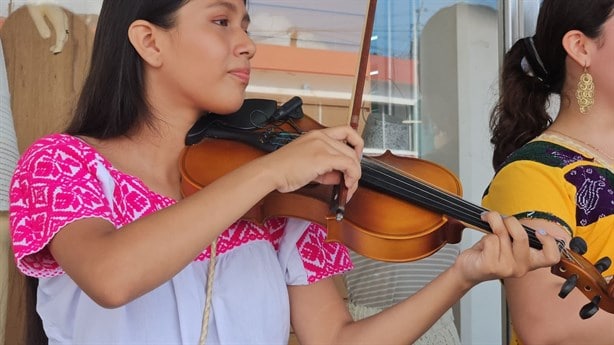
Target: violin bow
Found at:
x=339, y=197
x=363, y=60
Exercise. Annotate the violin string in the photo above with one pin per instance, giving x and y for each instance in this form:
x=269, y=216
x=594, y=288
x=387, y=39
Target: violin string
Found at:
x=451, y=202
x=434, y=196
x=429, y=190
x=469, y=215
x=425, y=190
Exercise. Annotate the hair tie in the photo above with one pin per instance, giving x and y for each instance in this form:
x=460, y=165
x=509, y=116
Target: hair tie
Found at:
x=531, y=63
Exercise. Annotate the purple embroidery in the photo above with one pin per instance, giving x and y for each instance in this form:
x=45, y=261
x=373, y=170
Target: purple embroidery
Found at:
x=565, y=156
x=594, y=194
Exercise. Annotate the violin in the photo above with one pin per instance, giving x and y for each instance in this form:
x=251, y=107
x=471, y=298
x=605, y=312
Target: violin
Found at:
x=404, y=209
x=379, y=232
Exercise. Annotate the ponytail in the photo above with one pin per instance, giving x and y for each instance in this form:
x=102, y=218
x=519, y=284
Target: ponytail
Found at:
x=521, y=111
x=534, y=68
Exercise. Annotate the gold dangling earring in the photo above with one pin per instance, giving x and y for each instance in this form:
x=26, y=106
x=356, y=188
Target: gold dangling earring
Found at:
x=585, y=94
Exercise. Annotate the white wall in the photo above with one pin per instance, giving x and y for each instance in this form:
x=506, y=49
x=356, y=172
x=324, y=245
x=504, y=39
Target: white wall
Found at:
x=465, y=39
x=481, y=312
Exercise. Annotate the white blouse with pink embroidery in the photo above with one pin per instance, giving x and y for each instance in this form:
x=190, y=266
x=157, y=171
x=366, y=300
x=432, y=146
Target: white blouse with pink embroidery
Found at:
x=61, y=179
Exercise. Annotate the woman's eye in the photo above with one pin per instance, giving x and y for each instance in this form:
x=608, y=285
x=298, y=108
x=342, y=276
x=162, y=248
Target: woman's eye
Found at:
x=222, y=22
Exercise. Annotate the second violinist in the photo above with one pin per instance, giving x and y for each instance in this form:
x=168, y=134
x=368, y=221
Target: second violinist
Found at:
x=98, y=219
x=559, y=168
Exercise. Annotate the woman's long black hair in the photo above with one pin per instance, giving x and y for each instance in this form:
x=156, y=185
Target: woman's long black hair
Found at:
x=112, y=101
x=521, y=111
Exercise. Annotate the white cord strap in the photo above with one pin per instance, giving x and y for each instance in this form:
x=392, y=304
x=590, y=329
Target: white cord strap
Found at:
x=205, y=325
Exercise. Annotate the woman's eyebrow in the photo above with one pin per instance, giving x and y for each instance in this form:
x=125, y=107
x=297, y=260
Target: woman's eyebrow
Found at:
x=232, y=7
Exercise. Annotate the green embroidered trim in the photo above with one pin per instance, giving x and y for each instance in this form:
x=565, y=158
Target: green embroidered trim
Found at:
x=542, y=152
x=545, y=216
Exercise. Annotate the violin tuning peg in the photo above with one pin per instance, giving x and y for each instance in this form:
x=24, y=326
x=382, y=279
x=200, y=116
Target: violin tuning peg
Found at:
x=578, y=245
x=569, y=285
x=590, y=308
x=603, y=264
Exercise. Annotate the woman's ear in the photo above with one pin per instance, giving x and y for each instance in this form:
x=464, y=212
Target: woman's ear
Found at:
x=578, y=47
x=142, y=35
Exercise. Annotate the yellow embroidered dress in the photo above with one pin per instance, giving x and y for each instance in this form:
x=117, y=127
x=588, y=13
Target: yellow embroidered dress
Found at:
x=557, y=179
x=561, y=180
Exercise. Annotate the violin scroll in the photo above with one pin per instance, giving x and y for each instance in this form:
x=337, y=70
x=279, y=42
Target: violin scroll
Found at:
x=579, y=272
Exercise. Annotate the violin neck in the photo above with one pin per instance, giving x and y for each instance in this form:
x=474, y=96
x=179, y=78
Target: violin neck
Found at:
x=394, y=182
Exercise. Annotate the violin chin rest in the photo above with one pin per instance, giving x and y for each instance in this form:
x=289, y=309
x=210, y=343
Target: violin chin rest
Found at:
x=253, y=114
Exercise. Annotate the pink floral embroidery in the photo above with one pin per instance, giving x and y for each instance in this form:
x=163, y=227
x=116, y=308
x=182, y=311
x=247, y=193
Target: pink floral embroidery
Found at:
x=238, y=234
x=58, y=181
x=322, y=259
x=242, y=232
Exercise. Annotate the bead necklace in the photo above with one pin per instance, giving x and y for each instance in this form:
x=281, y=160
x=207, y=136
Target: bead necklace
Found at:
x=591, y=147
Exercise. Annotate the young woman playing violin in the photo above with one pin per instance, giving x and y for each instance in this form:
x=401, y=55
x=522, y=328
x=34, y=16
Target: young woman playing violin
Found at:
x=121, y=257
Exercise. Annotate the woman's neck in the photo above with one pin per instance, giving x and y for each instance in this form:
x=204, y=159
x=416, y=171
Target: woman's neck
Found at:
x=151, y=154
x=595, y=130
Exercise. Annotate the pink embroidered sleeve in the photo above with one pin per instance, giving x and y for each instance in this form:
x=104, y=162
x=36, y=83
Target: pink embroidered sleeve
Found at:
x=322, y=258
x=52, y=187
x=305, y=254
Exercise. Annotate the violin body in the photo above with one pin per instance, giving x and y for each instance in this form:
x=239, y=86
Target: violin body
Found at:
x=375, y=224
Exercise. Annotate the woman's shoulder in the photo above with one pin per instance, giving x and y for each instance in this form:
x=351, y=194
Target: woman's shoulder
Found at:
x=538, y=166
x=51, y=142
x=54, y=153
x=56, y=143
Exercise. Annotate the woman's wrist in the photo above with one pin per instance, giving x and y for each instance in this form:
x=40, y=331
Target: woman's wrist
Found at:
x=455, y=273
